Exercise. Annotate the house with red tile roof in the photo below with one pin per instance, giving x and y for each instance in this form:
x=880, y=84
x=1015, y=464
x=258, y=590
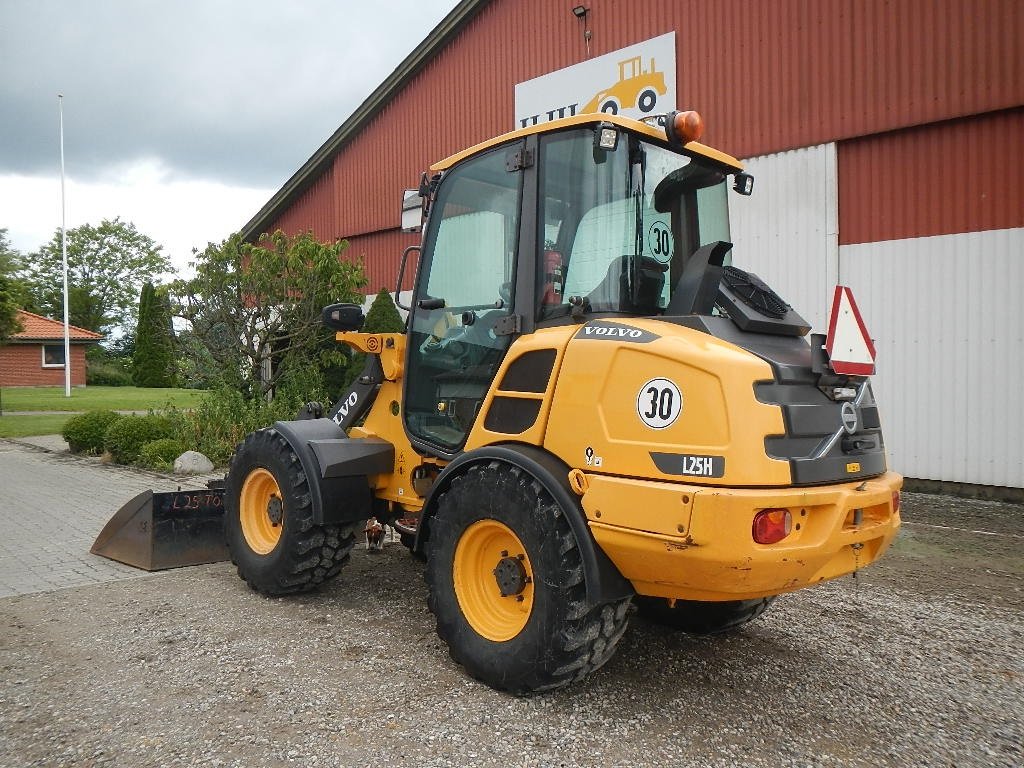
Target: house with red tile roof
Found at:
x=34, y=357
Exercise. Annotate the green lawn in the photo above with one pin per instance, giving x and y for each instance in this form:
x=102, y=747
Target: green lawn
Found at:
x=24, y=426
x=88, y=398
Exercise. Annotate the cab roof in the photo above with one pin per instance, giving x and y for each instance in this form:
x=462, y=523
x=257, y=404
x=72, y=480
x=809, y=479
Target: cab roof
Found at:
x=657, y=134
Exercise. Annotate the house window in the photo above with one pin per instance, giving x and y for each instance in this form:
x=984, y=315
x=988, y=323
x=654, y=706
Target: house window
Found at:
x=53, y=355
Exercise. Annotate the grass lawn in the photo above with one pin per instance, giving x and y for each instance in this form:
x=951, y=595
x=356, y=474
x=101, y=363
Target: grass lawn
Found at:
x=25, y=426
x=88, y=398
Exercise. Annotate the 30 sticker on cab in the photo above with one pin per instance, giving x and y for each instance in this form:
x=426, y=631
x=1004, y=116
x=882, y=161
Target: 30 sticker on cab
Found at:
x=659, y=403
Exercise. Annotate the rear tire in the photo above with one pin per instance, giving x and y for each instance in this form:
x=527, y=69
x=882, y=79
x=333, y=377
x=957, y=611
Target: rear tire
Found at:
x=701, y=617
x=268, y=520
x=507, y=585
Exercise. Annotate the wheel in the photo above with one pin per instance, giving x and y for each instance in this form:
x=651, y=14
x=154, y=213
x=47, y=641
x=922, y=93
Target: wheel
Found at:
x=268, y=520
x=611, y=106
x=507, y=586
x=646, y=100
x=702, y=618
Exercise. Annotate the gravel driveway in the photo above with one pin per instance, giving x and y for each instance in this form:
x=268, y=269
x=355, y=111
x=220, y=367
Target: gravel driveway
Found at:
x=917, y=661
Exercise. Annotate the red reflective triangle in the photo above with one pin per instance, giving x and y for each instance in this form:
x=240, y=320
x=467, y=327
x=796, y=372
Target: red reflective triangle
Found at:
x=850, y=349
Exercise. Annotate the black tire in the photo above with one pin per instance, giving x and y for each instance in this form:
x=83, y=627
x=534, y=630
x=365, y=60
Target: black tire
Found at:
x=646, y=100
x=563, y=640
x=306, y=555
x=702, y=618
x=611, y=106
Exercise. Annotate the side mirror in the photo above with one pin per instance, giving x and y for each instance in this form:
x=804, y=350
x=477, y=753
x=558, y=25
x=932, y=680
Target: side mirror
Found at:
x=342, y=317
x=412, y=211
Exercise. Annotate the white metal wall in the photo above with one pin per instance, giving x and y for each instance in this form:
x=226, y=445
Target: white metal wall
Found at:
x=786, y=232
x=945, y=314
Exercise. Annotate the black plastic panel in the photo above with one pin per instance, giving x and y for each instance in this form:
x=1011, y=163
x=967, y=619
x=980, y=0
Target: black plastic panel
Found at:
x=511, y=415
x=529, y=372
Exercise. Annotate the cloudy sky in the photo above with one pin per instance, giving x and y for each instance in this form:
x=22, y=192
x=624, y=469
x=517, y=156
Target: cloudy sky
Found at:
x=182, y=116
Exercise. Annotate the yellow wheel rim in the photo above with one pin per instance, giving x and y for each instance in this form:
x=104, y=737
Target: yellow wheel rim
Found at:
x=261, y=511
x=493, y=580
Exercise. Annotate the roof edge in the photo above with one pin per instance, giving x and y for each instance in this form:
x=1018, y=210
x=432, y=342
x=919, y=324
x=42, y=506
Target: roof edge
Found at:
x=303, y=178
x=89, y=335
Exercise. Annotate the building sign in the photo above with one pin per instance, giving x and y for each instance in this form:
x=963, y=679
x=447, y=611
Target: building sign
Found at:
x=635, y=81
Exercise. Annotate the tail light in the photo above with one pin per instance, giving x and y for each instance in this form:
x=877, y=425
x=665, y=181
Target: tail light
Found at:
x=895, y=502
x=772, y=525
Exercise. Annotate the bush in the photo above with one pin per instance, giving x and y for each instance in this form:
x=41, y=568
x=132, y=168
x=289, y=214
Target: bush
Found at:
x=107, y=373
x=125, y=437
x=85, y=432
x=224, y=417
x=160, y=454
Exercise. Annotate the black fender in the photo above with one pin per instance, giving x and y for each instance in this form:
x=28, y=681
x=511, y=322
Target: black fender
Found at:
x=336, y=467
x=604, y=581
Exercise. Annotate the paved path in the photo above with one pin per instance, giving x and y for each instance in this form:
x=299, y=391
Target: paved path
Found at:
x=53, y=507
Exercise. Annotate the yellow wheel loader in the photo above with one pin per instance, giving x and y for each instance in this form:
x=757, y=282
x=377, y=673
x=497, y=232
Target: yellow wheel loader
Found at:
x=590, y=407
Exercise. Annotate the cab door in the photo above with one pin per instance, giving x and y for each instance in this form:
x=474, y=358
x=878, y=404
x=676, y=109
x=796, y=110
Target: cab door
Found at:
x=459, y=327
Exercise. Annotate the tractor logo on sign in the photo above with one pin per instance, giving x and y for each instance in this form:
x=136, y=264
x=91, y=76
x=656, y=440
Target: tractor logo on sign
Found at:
x=636, y=87
x=636, y=81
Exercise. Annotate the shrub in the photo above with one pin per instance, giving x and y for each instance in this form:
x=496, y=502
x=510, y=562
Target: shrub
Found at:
x=224, y=417
x=85, y=432
x=107, y=373
x=160, y=454
x=125, y=437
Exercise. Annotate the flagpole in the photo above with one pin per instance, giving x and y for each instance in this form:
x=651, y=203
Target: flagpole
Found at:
x=64, y=252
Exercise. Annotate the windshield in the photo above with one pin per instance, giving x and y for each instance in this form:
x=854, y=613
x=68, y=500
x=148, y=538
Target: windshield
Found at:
x=618, y=225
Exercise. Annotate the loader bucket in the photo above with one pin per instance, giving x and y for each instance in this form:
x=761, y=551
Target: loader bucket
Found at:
x=155, y=531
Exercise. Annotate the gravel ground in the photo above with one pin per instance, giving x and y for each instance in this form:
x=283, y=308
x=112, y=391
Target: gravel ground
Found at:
x=916, y=662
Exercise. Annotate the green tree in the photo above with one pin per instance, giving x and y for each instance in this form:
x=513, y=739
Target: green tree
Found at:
x=10, y=259
x=11, y=290
x=107, y=265
x=9, y=322
x=383, y=316
x=256, y=308
x=153, y=358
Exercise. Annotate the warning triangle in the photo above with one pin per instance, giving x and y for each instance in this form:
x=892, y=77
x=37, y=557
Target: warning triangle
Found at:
x=849, y=346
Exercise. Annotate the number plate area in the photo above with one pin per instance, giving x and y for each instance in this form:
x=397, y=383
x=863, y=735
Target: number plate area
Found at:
x=689, y=464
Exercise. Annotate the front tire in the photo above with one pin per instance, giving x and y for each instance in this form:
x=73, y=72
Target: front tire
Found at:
x=646, y=101
x=507, y=585
x=702, y=617
x=268, y=520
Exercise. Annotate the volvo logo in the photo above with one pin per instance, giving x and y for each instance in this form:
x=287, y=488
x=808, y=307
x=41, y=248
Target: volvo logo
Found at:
x=848, y=414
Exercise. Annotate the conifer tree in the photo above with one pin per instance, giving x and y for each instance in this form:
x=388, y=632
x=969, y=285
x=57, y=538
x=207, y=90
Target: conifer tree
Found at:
x=152, y=363
x=383, y=316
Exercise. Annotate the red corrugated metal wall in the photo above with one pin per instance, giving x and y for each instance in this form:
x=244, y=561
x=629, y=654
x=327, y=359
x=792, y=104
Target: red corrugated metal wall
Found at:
x=315, y=210
x=957, y=176
x=768, y=76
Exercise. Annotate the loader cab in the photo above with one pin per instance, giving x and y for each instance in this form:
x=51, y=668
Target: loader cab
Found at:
x=618, y=225
x=551, y=227
x=463, y=299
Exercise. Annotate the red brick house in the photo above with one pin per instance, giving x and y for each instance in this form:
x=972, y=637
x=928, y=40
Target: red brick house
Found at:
x=34, y=357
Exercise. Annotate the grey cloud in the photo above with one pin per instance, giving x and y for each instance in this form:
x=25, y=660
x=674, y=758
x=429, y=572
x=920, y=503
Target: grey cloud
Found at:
x=233, y=90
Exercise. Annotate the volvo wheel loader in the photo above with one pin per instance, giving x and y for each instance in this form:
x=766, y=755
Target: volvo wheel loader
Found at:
x=590, y=407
